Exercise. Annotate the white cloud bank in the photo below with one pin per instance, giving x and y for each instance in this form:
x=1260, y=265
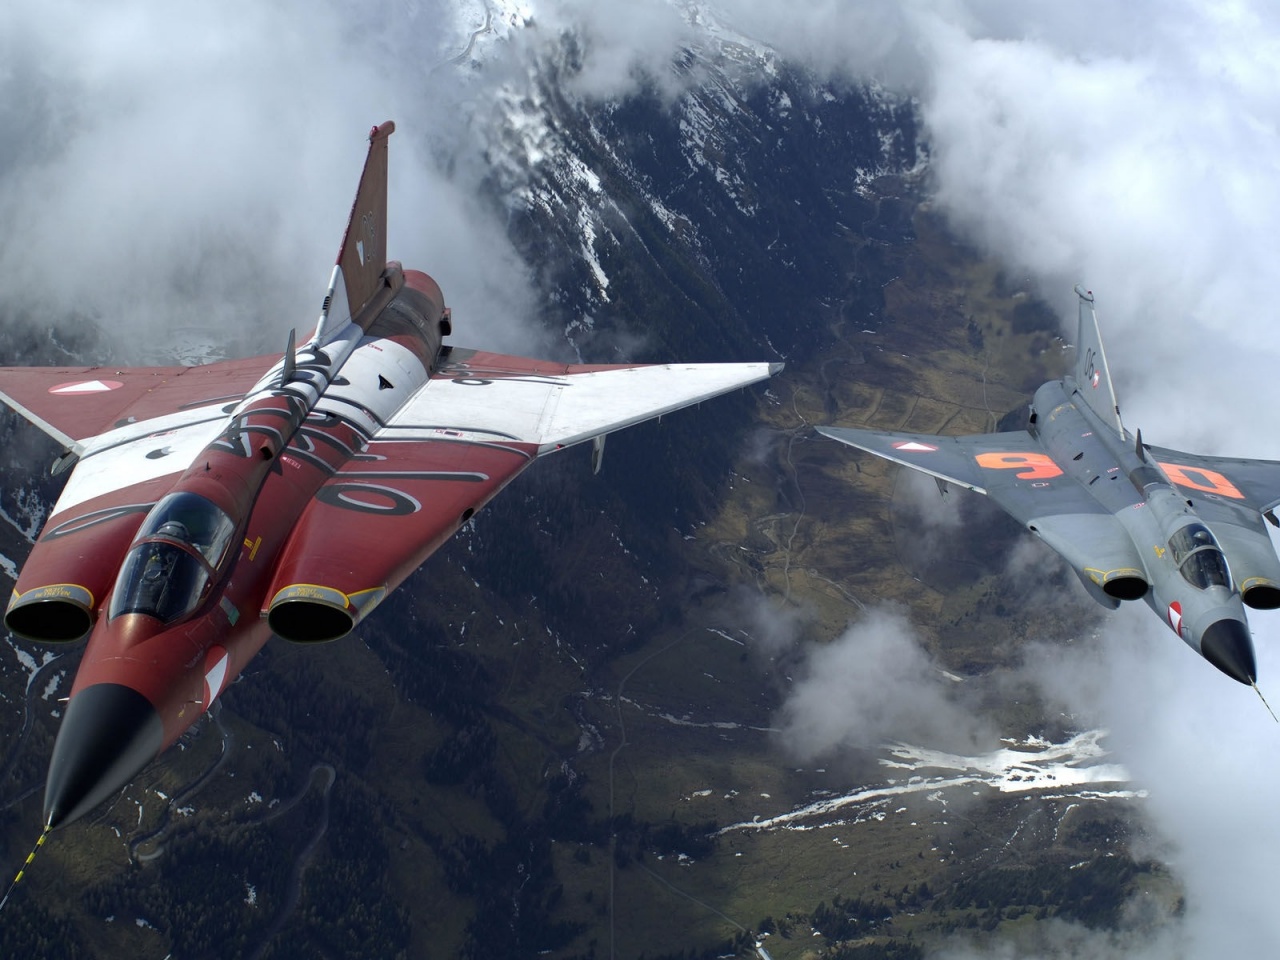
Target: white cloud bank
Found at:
x=165, y=167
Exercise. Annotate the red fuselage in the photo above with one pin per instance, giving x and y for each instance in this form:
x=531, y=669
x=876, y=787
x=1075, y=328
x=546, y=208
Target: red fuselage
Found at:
x=146, y=677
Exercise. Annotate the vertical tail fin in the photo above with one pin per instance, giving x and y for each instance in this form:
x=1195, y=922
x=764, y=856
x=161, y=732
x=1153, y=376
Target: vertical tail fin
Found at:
x=1093, y=378
x=362, y=258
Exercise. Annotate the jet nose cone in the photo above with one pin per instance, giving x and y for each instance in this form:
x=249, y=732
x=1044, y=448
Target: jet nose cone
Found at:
x=1227, y=645
x=110, y=732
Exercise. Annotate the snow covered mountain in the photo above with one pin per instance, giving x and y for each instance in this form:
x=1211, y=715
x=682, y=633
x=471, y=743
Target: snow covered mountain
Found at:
x=694, y=211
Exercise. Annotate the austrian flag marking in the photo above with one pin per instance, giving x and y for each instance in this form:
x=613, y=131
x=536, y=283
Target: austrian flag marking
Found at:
x=85, y=386
x=1175, y=617
x=913, y=446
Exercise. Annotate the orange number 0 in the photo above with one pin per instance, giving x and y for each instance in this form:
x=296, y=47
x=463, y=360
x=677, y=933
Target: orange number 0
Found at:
x=1200, y=478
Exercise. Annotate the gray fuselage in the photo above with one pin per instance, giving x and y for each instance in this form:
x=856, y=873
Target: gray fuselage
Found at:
x=1157, y=549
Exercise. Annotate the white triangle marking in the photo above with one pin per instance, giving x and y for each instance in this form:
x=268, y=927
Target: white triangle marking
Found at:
x=912, y=446
x=86, y=386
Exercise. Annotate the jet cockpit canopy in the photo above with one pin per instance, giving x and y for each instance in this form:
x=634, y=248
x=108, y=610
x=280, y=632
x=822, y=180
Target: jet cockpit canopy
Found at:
x=1199, y=558
x=174, y=558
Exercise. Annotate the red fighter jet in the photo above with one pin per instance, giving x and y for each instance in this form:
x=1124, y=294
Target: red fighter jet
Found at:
x=212, y=507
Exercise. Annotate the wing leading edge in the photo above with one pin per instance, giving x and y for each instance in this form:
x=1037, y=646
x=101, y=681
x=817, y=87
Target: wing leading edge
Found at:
x=454, y=445
x=74, y=404
x=1014, y=471
x=552, y=406
x=1011, y=468
x=947, y=458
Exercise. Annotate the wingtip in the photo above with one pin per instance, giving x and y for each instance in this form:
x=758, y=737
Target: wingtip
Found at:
x=775, y=368
x=1083, y=294
x=382, y=130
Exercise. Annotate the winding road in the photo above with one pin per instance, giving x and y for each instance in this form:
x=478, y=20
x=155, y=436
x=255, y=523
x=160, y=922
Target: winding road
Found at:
x=178, y=799
x=293, y=893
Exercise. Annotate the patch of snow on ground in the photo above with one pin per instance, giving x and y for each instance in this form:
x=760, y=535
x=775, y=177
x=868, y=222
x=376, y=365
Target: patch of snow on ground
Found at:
x=492, y=20
x=51, y=687
x=663, y=212
x=28, y=516
x=721, y=633
x=710, y=724
x=588, y=230
x=1036, y=766
x=28, y=662
x=1070, y=770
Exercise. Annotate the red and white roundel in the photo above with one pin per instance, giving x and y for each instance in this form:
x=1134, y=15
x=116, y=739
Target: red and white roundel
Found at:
x=1175, y=617
x=78, y=387
x=914, y=446
x=215, y=674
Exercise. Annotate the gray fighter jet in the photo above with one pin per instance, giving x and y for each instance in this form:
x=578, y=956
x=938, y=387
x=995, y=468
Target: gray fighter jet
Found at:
x=1135, y=522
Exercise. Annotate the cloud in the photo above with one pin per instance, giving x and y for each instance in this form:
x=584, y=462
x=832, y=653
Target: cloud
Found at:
x=160, y=171
x=937, y=511
x=1204, y=748
x=773, y=626
x=872, y=685
x=624, y=44
x=1045, y=583
x=1146, y=933
x=1141, y=161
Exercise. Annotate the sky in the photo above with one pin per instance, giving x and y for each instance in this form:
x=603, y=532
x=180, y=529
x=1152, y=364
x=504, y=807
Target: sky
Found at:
x=162, y=172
